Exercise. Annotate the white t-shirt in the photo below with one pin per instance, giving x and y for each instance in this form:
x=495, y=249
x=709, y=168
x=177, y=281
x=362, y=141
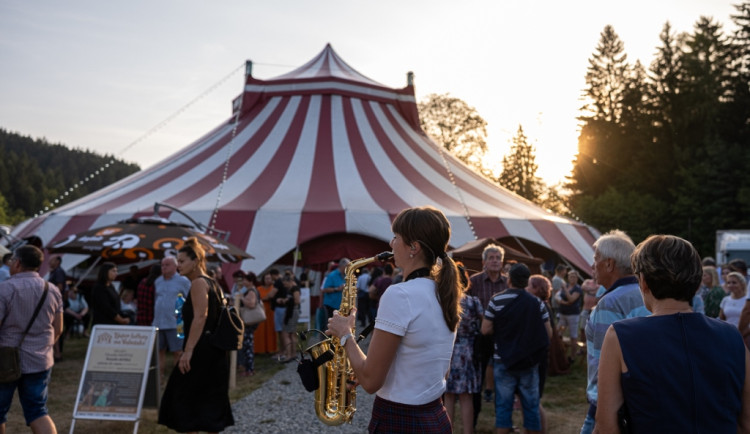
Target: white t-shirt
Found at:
x=732, y=308
x=411, y=310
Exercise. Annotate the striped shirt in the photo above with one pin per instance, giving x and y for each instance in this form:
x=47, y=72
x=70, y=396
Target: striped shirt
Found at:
x=622, y=301
x=19, y=296
x=499, y=301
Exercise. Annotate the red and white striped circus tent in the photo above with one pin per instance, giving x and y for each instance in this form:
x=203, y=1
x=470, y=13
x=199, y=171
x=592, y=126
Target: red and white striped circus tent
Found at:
x=321, y=161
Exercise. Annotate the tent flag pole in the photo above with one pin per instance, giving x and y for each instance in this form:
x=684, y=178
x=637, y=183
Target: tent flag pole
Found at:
x=86, y=273
x=294, y=264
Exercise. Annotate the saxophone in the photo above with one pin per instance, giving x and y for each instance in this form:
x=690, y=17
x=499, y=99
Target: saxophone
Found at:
x=335, y=403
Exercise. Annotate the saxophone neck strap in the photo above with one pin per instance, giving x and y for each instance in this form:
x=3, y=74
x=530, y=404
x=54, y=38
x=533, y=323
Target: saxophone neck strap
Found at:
x=419, y=272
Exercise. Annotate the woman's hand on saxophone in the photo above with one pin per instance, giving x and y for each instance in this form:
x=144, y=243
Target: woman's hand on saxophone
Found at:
x=339, y=325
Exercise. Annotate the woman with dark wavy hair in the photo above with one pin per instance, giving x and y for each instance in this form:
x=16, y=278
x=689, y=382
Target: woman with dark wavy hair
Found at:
x=675, y=371
x=104, y=299
x=197, y=395
x=411, y=347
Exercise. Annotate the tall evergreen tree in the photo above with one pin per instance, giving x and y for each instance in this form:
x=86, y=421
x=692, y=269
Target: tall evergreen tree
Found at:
x=739, y=104
x=705, y=151
x=607, y=77
x=616, y=145
x=519, y=169
x=599, y=149
x=665, y=107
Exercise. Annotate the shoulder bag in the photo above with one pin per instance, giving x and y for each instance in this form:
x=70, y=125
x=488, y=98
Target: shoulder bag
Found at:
x=229, y=329
x=10, y=361
x=255, y=315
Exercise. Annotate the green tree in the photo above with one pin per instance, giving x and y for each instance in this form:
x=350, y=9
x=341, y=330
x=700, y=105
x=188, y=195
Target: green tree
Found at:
x=666, y=106
x=457, y=126
x=616, y=146
x=706, y=148
x=600, y=148
x=519, y=169
x=607, y=77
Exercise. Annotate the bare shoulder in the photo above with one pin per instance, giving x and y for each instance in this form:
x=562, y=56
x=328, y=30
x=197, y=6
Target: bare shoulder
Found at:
x=200, y=285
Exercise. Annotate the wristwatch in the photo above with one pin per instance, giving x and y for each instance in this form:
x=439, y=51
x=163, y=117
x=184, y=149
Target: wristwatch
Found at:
x=344, y=338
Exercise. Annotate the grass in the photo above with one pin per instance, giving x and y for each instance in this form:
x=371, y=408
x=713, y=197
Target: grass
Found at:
x=564, y=402
x=63, y=388
x=564, y=399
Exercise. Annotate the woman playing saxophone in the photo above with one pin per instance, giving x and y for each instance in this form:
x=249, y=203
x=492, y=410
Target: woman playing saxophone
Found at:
x=412, y=344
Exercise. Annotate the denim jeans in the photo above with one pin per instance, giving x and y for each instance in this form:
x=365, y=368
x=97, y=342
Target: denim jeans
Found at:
x=589, y=422
x=527, y=383
x=32, y=392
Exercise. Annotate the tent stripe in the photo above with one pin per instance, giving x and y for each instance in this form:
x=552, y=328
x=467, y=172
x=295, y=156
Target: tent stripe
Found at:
x=374, y=175
x=557, y=241
x=250, y=133
x=408, y=168
x=349, y=169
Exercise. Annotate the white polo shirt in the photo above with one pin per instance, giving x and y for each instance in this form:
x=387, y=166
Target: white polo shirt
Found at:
x=411, y=310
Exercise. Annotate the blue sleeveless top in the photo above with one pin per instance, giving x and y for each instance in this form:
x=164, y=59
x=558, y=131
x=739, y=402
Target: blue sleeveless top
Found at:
x=685, y=373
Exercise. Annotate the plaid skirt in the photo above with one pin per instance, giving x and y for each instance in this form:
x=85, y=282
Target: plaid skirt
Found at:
x=392, y=417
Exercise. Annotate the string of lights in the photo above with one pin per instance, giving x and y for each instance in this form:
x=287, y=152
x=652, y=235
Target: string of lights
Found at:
x=452, y=178
x=61, y=199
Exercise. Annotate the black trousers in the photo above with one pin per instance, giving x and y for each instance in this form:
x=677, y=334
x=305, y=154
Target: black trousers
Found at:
x=488, y=347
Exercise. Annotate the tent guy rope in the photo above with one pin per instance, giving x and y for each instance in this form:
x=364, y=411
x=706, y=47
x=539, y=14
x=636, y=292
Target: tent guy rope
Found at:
x=60, y=199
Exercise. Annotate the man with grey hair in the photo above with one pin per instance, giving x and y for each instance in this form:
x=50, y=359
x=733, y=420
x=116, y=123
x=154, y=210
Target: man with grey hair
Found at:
x=622, y=300
x=483, y=286
x=166, y=289
x=19, y=297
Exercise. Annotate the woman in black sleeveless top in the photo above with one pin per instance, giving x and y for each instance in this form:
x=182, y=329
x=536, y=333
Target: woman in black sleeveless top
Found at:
x=675, y=371
x=197, y=395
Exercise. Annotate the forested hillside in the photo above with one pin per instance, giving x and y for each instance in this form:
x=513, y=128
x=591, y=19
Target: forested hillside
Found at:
x=34, y=173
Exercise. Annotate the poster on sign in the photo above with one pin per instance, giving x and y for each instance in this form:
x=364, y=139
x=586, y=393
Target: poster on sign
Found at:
x=304, y=306
x=115, y=373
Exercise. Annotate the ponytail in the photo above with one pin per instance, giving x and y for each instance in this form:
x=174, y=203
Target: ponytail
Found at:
x=430, y=228
x=449, y=290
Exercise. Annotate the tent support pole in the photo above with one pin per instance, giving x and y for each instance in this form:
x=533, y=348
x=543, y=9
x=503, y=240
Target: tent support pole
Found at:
x=88, y=270
x=522, y=246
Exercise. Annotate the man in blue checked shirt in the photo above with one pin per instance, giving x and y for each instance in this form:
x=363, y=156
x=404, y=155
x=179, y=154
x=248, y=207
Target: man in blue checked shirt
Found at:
x=622, y=300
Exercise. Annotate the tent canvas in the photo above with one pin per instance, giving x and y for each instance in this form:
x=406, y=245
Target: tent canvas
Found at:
x=322, y=160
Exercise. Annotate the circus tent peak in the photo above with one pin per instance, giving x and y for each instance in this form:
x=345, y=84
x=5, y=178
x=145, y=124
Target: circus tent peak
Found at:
x=320, y=159
x=327, y=64
x=327, y=73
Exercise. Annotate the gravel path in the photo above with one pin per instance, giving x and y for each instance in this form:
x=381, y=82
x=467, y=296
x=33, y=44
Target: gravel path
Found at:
x=283, y=405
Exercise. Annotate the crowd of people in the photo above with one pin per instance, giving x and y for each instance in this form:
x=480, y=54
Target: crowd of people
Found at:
x=515, y=314
x=651, y=317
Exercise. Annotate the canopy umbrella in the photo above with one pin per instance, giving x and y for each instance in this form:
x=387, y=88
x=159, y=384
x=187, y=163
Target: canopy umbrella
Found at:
x=144, y=239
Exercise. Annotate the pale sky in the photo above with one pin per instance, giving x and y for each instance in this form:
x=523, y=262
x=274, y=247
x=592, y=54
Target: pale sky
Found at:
x=99, y=75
